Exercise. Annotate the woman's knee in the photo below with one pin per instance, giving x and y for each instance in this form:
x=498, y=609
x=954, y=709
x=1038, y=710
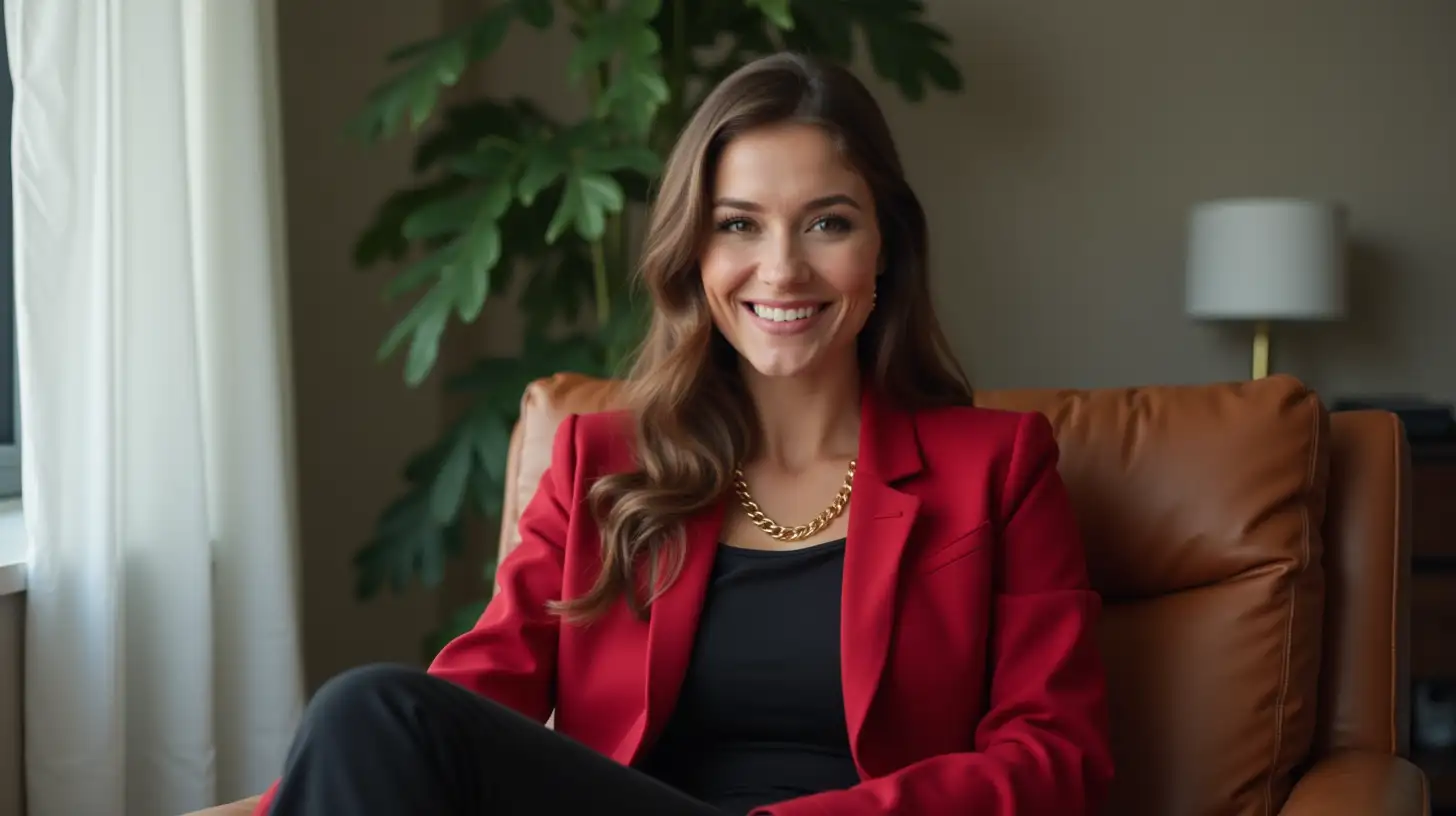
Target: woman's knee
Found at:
x=358, y=690
x=389, y=704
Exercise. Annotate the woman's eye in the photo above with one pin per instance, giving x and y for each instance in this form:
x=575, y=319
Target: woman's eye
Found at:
x=734, y=225
x=832, y=223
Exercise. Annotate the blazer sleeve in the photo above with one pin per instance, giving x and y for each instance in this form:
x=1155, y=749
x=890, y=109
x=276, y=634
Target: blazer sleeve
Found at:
x=1042, y=745
x=510, y=654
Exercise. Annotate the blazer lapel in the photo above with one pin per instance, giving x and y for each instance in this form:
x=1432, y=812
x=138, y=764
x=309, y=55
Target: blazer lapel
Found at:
x=880, y=521
x=673, y=621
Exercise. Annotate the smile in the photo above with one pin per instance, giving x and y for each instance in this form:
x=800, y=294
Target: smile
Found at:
x=781, y=315
x=785, y=319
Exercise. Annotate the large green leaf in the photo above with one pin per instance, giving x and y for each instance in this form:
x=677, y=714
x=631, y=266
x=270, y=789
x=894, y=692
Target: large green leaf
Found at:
x=420, y=531
x=425, y=343
x=588, y=200
x=445, y=216
x=472, y=275
x=544, y=164
x=622, y=33
x=410, y=96
x=460, y=270
x=493, y=157
x=777, y=12
x=485, y=37
x=408, y=545
x=466, y=130
x=633, y=99
x=624, y=39
x=903, y=47
x=426, y=270
x=518, y=234
x=538, y=13
x=491, y=438
x=434, y=300
x=384, y=239
x=448, y=489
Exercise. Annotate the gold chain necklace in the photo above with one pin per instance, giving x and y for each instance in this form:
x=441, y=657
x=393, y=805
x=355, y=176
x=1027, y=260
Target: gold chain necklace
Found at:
x=803, y=531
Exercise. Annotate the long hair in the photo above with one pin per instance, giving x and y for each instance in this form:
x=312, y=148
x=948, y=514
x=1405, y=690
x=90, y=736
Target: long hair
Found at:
x=693, y=421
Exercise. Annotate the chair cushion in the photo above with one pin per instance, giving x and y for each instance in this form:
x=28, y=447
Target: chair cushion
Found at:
x=544, y=405
x=1201, y=508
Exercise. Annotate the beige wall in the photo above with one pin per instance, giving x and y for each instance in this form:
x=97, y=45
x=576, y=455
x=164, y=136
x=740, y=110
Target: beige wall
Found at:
x=12, y=636
x=357, y=422
x=1057, y=187
x=1058, y=183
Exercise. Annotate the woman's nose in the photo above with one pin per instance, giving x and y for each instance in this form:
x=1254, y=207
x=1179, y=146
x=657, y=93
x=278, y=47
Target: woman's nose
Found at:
x=782, y=263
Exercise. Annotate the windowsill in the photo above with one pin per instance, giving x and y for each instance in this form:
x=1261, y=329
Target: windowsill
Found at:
x=13, y=547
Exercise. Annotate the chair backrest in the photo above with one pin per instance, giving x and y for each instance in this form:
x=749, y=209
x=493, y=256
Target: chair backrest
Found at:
x=1253, y=554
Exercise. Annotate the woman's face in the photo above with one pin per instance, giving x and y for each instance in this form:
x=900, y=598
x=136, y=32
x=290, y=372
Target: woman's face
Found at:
x=790, y=263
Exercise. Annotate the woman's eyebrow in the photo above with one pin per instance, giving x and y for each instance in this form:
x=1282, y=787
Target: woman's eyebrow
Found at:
x=817, y=204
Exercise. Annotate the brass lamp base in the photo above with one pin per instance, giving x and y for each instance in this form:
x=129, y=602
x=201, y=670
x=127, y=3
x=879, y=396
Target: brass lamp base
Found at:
x=1261, y=349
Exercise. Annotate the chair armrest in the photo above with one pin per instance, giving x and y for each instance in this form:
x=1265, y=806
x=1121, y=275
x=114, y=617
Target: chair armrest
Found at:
x=1360, y=782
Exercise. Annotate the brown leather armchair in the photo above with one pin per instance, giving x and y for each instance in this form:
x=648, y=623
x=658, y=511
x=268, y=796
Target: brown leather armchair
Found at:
x=1253, y=552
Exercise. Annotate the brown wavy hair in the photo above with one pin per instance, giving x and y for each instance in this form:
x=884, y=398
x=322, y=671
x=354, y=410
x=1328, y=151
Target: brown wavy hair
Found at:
x=693, y=420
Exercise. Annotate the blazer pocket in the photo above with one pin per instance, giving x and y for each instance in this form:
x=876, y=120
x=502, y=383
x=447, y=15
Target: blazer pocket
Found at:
x=957, y=548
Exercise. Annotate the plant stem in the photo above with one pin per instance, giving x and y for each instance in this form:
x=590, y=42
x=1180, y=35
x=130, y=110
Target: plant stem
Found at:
x=624, y=249
x=614, y=247
x=677, y=76
x=679, y=50
x=599, y=283
x=600, y=79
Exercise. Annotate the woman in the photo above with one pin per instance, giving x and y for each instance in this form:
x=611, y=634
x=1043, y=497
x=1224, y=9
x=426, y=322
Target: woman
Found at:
x=799, y=575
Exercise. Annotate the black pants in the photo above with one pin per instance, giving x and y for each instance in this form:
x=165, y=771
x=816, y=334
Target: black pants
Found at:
x=393, y=740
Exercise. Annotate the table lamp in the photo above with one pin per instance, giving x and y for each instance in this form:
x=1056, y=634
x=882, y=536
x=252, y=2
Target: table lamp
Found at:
x=1266, y=260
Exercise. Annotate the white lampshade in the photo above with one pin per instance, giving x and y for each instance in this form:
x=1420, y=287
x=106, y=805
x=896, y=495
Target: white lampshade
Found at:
x=1266, y=259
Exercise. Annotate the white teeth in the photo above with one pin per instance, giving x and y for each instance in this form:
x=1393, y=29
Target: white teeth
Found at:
x=783, y=315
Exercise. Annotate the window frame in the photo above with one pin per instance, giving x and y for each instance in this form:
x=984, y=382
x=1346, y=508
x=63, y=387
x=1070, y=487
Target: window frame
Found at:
x=9, y=453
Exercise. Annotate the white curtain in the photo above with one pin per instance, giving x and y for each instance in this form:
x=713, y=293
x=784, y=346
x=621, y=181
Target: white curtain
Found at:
x=161, y=666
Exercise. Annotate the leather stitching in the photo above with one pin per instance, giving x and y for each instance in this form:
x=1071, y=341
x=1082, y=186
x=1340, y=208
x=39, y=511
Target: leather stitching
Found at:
x=1283, y=696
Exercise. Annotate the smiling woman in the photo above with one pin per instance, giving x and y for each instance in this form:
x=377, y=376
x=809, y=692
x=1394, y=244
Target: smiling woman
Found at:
x=789, y=270
x=798, y=575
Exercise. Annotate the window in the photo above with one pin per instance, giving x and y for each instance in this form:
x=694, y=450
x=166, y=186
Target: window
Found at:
x=9, y=384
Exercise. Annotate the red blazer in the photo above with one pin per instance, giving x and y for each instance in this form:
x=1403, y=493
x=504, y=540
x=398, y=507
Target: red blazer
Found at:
x=972, y=679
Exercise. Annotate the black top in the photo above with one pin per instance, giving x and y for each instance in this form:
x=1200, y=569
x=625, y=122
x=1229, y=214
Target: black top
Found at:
x=760, y=717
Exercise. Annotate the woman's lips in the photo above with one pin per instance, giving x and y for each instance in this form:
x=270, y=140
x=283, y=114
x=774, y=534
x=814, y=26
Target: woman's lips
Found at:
x=786, y=318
